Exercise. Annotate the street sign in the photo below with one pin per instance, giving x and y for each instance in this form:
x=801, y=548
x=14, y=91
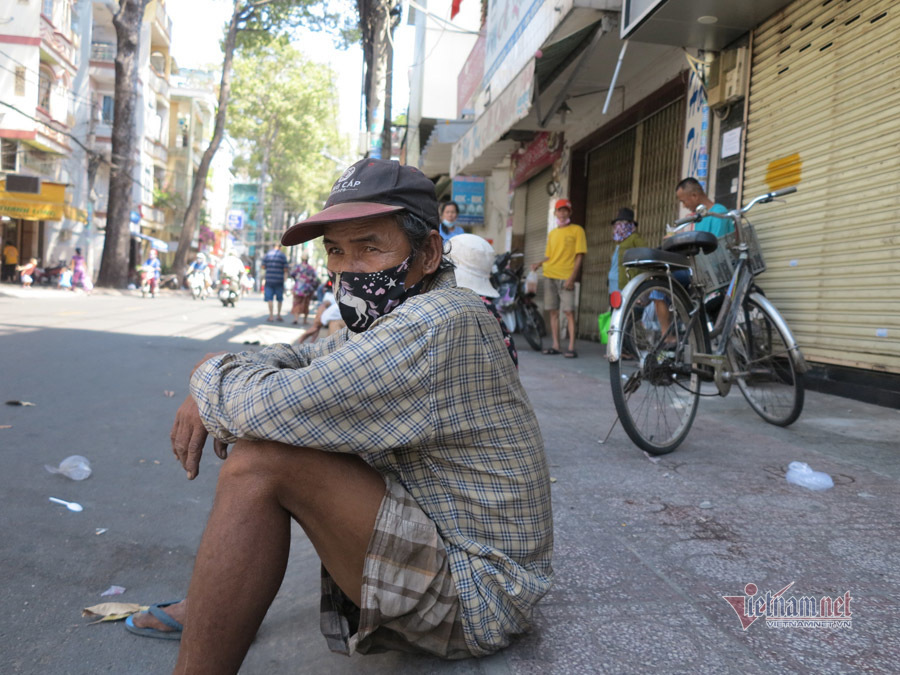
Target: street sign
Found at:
x=235, y=220
x=135, y=217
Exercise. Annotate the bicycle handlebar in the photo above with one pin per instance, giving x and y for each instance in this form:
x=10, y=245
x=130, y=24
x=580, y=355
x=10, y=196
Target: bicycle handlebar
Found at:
x=733, y=215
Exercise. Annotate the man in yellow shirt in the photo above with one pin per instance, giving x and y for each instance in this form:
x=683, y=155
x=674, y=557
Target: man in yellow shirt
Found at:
x=10, y=260
x=566, y=246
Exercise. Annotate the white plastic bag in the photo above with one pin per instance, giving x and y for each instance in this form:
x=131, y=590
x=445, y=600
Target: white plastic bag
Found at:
x=531, y=282
x=800, y=473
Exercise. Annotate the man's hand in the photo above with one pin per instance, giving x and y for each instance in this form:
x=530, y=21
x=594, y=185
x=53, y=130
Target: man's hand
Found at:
x=568, y=285
x=189, y=435
x=534, y=266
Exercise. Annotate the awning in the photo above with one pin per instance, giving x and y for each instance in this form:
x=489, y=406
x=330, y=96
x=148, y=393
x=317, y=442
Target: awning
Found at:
x=49, y=204
x=158, y=244
x=481, y=148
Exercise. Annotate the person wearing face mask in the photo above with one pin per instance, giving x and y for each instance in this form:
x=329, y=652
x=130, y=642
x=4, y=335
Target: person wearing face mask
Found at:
x=625, y=236
x=449, y=214
x=404, y=445
x=566, y=246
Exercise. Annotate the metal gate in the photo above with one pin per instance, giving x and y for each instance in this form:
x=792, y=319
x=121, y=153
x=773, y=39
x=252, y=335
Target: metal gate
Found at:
x=824, y=114
x=639, y=169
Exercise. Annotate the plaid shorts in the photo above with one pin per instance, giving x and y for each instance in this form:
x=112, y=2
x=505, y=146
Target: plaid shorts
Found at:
x=409, y=600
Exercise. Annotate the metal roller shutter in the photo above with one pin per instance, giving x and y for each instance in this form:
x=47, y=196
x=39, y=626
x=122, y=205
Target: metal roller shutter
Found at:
x=610, y=183
x=614, y=181
x=824, y=114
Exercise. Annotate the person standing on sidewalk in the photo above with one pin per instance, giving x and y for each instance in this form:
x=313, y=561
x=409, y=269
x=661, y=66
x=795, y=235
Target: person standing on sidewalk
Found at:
x=566, y=246
x=275, y=264
x=79, y=269
x=10, y=260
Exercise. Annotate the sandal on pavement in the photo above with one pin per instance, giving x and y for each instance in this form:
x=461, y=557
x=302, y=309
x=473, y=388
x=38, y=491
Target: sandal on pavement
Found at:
x=571, y=354
x=551, y=350
x=156, y=611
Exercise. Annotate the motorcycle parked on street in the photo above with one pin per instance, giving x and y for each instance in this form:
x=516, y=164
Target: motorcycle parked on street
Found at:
x=516, y=305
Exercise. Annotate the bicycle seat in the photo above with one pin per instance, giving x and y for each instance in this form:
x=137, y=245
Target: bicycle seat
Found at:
x=653, y=257
x=691, y=243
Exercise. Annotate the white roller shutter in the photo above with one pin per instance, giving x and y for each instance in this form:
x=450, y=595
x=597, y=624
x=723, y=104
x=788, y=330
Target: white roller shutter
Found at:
x=824, y=114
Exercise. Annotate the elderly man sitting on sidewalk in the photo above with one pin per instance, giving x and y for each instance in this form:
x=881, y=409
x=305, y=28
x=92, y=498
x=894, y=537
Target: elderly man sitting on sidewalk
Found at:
x=404, y=445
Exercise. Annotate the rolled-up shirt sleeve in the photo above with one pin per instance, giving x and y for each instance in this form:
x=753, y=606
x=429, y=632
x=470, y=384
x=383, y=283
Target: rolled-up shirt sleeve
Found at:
x=343, y=395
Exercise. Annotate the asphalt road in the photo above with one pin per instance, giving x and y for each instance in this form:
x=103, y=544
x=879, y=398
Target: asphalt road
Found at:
x=641, y=566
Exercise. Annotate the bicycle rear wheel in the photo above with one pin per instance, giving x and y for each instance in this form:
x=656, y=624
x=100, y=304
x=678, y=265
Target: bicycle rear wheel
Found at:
x=654, y=388
x=763, y=366
x=528, y=318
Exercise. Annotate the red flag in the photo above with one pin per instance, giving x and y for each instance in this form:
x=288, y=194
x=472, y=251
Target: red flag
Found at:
x=454, y=8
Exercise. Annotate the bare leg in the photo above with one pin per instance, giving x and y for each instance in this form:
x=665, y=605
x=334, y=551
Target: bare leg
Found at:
x=570, y=322
x=279, y=310
x=271, y=309
x=244, y=550
x=554, y=328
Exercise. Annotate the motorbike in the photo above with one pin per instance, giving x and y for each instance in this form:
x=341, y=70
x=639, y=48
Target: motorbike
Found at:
x=49, y=276
x=197, y=283
x=229, y=291
x=516, y=305
x=148, y=281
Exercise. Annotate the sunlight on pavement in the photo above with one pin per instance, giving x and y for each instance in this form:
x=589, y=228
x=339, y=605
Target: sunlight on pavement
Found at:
x=268, y=335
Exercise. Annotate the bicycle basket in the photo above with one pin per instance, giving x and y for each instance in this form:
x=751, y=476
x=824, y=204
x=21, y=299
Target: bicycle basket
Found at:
x=714, y=270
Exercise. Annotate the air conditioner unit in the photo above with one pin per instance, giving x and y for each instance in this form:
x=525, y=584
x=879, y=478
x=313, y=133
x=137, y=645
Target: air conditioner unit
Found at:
x=727, y=74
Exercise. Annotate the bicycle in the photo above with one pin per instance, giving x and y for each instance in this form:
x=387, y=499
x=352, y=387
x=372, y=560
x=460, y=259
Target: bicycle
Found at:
x=656, y=387
x=517, y=308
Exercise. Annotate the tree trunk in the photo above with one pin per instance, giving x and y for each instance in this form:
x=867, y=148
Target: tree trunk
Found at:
x=199, y=187
x=379, y=24
x=114, y=262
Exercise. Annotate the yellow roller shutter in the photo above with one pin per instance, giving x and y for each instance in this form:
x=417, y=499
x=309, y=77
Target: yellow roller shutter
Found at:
x=824, y=115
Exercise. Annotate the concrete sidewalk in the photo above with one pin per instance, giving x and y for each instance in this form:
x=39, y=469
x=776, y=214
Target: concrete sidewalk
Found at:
x=645, y=550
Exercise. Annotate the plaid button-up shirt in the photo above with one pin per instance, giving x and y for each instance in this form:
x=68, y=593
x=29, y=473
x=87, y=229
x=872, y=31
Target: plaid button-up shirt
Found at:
x=429, y=397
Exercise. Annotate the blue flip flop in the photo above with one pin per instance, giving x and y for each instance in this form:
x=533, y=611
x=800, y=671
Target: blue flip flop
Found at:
x=156, y=611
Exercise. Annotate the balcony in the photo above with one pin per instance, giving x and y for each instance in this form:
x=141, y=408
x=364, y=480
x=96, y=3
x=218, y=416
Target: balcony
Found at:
x=103, y=51
x=158, y=84
x=103, y=66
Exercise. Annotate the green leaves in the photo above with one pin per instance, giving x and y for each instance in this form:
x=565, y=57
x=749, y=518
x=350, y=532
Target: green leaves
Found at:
x=284, y=106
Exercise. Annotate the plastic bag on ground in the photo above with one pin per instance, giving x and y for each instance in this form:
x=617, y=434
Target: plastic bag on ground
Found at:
x=75, y=467
x=800, y=473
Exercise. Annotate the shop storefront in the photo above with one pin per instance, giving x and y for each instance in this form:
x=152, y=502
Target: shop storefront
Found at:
x=634, y=161
x=824, y=115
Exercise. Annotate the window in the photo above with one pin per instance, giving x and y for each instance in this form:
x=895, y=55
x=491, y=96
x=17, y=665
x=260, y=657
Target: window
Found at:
x=47, y=8
x=20, y=81
x=44, y=82
x=8, y=151
x=106, y=112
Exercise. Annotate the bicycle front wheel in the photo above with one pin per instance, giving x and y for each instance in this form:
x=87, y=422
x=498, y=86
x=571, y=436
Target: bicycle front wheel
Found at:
x=528, y=317
x=764, y=370
x=654, y=387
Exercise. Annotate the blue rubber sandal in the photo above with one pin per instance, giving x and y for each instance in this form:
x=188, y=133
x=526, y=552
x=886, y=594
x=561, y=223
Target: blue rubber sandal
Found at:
x=156, y=611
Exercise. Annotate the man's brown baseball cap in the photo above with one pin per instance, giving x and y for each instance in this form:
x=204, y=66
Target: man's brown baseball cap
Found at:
x=367, y=189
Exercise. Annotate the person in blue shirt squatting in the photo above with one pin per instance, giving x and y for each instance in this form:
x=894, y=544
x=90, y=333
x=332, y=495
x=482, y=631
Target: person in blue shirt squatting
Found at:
x=404, y=445
x=692, y=196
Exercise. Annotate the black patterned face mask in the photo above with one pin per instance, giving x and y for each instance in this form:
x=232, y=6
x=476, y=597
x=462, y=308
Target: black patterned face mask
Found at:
x=363, y=297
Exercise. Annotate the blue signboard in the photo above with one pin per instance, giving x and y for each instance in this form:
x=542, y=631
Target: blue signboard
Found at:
x=235, y=220
x=135, y=217
x=468, y=193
